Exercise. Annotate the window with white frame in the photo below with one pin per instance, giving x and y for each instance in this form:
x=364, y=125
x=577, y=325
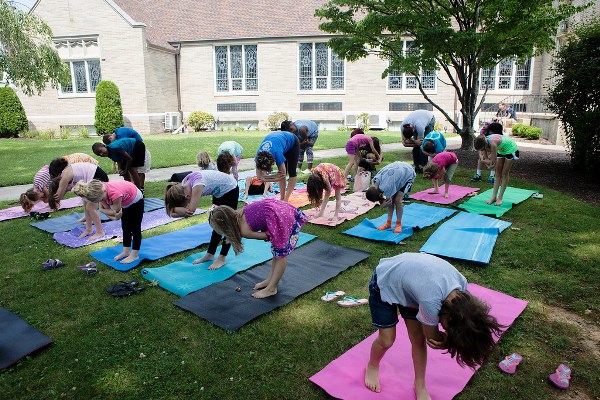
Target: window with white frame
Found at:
x=403, y=81
x=508, y=74
x=319, y=68
x=82, y=57
x=236, y=68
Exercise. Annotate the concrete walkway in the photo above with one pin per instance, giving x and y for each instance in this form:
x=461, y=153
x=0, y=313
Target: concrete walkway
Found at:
x=163, y=174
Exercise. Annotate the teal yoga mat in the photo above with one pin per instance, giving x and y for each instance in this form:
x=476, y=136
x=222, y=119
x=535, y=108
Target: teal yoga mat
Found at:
x=183, y=277
x=158, y=246
x=466, y=236
x=413, y=216
x=477, y=204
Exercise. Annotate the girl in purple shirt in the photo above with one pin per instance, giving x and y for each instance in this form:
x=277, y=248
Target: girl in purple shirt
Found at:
x=270, y=220
x=352, y=147
x=443, y=165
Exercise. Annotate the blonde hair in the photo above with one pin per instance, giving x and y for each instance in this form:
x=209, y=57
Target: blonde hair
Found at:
x=226, y=222
x=92, y=191
x=28, y=199
x=203, y=159
x=174, y=197
x=431, y=170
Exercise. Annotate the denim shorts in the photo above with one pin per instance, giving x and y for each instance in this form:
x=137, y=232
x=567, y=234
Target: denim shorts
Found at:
x=385, y=315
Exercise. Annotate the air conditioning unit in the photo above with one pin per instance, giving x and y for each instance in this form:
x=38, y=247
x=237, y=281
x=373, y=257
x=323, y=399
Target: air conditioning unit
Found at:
x=378, y=121
x=172, y=121
x=350, y=120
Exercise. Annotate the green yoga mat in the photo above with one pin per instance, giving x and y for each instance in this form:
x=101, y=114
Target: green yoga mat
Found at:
x=512, y=196
x=183, y=277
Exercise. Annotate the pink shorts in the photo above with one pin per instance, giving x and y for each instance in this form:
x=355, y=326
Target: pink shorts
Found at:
x=351, y=148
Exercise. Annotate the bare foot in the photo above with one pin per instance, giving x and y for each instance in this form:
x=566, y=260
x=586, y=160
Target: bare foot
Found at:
x=97, y=235
x=206, y=257
x=219, y=262
x=130, y=258
x=85, y=233
x=261, y=285
x=434, y=192
x=490, y=201
x=372, y=378
x=446, y=195
x=121, y=255
x=422, y=394
x=499, y=202
x=82, y=219
x=264, y=293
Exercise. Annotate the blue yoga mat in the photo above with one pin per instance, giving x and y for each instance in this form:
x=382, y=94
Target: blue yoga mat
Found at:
x=158, y=246
x=183, y=277
x=69, y=222
x=413, y=216
x=467, y=236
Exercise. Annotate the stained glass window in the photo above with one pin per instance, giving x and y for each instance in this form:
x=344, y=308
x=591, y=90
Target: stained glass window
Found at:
x=94, y=73
x=505, y=69
x=507, y=75
x=305, y=66
x=82, y=58
x=488, y=78
x=522, y=75
x=221, y=68
x=400, y=81
x=236, y=68
x=319, y=68
x=251, y=67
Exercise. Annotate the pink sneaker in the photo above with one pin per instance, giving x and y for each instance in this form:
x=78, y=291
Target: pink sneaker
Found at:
x=509, y=364
x=561, y=377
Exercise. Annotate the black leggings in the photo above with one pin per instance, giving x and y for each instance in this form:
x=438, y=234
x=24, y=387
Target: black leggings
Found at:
x=131, y=223
x=291, y=158
x=228, y=199
x=100, y=175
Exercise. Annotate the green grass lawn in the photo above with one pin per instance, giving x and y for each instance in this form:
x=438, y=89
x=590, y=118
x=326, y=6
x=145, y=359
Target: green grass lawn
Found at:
x=549, y=257
x=22, y=158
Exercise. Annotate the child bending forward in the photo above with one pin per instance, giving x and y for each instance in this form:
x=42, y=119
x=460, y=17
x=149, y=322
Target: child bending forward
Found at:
x=324, y=178
x=442, y=166
x=270, y=220
x=427, y=291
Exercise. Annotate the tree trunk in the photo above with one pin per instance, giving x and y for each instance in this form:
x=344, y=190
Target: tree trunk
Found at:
x=467, y=132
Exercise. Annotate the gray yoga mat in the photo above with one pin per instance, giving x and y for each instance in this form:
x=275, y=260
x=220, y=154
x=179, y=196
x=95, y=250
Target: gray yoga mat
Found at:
x=18, y=339
x=307, y=267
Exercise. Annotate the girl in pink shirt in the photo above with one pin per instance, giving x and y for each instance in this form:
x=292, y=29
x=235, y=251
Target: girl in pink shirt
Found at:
x=325, y=178
x=118, y=200
x=352, y=147
x=443, y=165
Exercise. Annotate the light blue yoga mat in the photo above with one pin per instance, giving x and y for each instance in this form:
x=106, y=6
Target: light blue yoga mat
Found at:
x=183, y=277
x=158, y=246
x=413, y=216
x=478, y=205
x=69, y=222
x=467, y=236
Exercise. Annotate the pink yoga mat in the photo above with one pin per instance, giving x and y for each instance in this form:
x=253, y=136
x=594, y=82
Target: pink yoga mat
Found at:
x=455, y=193
x=343, y=378
x=353, y=205
x=17, y=212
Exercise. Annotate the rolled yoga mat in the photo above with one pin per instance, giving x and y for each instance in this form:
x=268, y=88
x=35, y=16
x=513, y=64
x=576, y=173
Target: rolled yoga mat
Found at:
x=158, y=246
x=307, y=267
x=343, y=378
x=183, y=277
x=18, y=339
x=512, y=196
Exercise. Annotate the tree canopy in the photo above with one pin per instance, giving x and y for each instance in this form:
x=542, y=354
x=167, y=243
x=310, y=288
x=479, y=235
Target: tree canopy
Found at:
x=27, y=54
x=459, y=37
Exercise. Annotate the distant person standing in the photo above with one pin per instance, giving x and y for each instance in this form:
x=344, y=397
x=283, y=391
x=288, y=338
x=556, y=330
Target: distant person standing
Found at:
x=308, y=133
x=414, y=128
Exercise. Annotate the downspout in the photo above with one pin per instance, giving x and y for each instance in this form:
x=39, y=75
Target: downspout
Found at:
x=178, y=80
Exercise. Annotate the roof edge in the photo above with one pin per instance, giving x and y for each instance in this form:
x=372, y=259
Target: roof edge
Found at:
x=287, y=38
x=123, y=14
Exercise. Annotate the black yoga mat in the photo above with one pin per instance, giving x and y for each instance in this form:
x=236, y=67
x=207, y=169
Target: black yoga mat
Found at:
x=307, y=267
x=18, y=339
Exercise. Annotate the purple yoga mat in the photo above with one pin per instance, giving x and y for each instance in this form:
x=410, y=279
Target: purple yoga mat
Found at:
x=113, y=229
x=455, y=193
x=343, y=378
x=17, y=212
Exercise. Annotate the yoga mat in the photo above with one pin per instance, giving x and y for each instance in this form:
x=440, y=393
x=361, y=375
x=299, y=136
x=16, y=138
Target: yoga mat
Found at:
x=455, y=193
x=299, y=198
x=17, y=212
x=343, y=378
x=113, y=229
x=70, y=222
x=307, y=267
x=183, y=277
x=18, y=339
x=477, y=204
x=353, y=205
x=158, y=246
x=467, y=236
x=413, y=216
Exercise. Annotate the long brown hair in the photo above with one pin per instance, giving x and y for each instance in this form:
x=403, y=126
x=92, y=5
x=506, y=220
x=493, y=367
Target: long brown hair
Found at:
x=174, y=197
x=225, y=161
x=52, y=189
x=314, y=188
x=28, y=199
x=226, y=222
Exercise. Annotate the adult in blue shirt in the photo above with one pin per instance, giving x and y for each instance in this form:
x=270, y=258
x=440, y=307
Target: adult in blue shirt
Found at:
x=127, y=132
x=281, y=149
x=414, y=128
x=129, y=154
x=433, y=143
x=308, y=133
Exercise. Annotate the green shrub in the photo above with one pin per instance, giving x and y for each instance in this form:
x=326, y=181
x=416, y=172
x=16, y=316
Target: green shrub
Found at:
x=48, y=134
x=83, y=132
x=12, y=114
x=274, y=120
x=518, y=129
x=363, y=121
x=239, y=129
x=533, y=133
x=201, y=121
x=109, y=112
x=65, y=132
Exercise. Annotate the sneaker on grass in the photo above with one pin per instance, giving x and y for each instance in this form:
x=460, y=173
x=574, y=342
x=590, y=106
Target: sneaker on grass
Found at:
x=476, y=178
x=490, y=180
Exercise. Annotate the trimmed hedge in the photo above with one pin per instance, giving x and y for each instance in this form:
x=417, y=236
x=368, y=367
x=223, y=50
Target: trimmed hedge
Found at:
x=109, y=112
x=201, y=121
x=526, y=131
x=13, y=120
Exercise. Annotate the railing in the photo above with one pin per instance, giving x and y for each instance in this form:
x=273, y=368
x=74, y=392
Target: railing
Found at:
x=529, y=104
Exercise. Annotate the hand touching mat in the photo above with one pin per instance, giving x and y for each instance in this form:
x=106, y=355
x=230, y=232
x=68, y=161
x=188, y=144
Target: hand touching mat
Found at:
x=353, y=205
